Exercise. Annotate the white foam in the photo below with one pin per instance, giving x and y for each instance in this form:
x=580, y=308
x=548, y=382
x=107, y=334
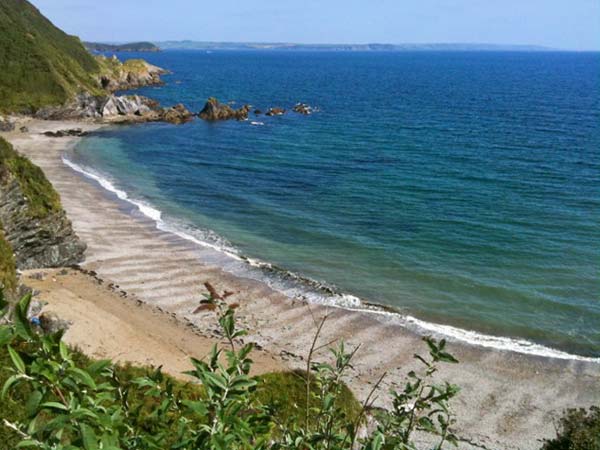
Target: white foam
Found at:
x=147, y=210
x=344, y=301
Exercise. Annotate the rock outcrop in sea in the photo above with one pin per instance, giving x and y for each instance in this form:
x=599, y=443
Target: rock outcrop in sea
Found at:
x=275, y=112
x=303, y=108
x=215, y=110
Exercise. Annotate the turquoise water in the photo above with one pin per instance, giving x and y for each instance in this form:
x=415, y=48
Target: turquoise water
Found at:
x=460, y=188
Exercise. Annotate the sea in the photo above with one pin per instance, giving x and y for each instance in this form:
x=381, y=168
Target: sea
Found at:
x=458, y=191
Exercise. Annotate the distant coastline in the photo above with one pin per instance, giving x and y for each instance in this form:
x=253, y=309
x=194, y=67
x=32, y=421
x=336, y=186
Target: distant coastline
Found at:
x=130, y=47
x=202, y=45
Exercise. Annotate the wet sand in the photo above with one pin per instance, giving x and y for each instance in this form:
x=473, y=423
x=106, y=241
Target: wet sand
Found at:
x=508, y=400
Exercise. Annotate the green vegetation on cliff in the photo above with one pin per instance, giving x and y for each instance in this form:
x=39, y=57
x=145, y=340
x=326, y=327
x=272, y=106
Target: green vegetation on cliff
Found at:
x=40, y=64
x=8, y=274
x=41, y=195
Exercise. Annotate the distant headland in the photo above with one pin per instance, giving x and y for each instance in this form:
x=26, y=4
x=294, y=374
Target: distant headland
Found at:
x=201, y=45
x=130, y=47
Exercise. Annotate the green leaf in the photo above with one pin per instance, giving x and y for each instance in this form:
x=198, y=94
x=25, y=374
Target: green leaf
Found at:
x=90, y=442
x=377, y=442
x=27, y=443
x=82, y=376
x=55, y=405
x=33, y=403
x=22, y=325
x=216, y=380
x=63, y=350
x=16, y=359
x=9, y=383
x=6, y=335
x=196, y=406
x=447, y=357
x=97, y=367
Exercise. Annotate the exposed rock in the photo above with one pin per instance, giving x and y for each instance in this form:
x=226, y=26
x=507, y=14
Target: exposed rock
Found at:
x=177, y=115
x=6, y=125
x=63, y=133
x=51, y=323
x=303, y=108
x=123, y=106
x=214, y=110
x=37, y=243
x=83, y=106
x=131, y=74
x=275, y=112
x=114, y=109
x=24, y=130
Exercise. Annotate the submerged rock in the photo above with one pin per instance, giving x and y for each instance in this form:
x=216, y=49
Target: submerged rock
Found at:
x=214, y=110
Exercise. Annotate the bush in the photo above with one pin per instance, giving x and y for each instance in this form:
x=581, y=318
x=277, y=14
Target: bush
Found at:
x=67, y=402
x=578, y=430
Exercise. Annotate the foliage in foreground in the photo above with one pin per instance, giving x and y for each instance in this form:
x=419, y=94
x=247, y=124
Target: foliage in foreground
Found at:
x=74, y=404
x=579, y=430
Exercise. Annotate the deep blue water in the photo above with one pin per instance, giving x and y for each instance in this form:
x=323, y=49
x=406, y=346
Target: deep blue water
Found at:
x=461, y=188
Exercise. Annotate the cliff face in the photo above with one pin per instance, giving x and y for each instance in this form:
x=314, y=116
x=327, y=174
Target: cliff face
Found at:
x=34, y=223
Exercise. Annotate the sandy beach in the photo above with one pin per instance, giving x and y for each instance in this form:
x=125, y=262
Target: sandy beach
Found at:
x=508, y=400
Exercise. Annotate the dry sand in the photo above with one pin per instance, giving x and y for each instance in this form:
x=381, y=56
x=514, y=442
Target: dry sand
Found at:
x=105, y=323
x=508, y=400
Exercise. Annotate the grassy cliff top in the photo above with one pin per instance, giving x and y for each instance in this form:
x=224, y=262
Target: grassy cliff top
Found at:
x=41, y=195
x=41, y=65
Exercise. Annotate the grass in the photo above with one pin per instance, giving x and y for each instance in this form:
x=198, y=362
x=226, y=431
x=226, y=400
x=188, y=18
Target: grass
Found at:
x=285, y=393
x=41, y=196
x=40, y=64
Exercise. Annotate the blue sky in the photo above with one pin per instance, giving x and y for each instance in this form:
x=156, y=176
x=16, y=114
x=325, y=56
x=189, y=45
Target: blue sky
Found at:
x=567, y=24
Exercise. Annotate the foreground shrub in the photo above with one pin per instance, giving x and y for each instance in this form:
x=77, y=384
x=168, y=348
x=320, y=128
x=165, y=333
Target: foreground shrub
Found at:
x=579, y=430
x=71, y=403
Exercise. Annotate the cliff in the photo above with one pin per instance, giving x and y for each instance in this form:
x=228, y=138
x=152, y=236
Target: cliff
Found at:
x=131, y=74
x=41, y=65
x=34, y=223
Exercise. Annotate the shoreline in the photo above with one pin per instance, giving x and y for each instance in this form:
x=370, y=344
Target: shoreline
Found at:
x=323, y=294
x=505, y=395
